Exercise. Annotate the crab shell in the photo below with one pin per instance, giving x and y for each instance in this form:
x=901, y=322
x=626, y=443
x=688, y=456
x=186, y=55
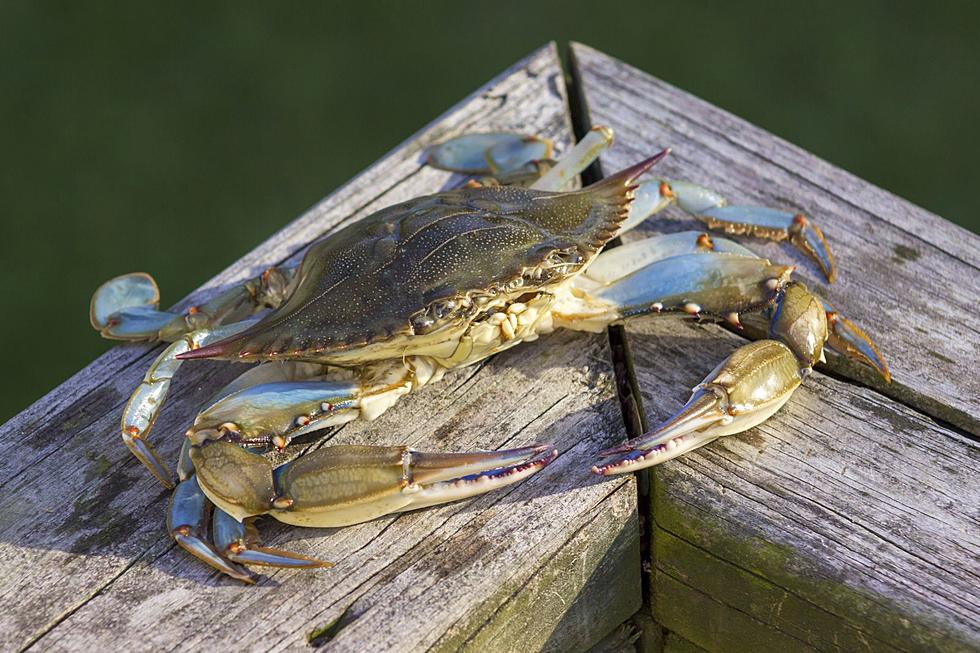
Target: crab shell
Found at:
x=423, y=276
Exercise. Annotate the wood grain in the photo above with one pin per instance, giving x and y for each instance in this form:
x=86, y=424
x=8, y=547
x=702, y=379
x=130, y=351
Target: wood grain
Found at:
x=849, y=521
x=87, y=563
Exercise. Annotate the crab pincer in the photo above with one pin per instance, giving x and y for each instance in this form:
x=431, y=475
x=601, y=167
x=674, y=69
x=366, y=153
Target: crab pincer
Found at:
x=748, y=387
x=349, y=484
x=333, y=486
x=743, y=391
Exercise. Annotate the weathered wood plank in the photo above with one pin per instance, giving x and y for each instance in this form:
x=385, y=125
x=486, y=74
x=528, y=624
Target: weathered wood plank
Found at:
x=910, y=278
x=87, y=563
x=848, y=521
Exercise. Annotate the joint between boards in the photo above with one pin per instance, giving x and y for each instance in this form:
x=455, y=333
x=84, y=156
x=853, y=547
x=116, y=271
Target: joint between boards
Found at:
x=627, y=386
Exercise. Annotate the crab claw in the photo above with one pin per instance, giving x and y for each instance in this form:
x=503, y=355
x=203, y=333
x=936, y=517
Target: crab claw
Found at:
x=437, y=478
x=187, y=522
x=847, y=338
x=349, y=484
x=274, y=413
x=743, y=391
x=239, y=542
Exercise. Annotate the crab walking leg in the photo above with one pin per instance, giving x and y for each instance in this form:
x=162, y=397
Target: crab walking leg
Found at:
x=146, y=401
x=711, y=208
x=187, y=519
x=578, y=159
x=127, y=307
x=716, y=285
x=650, y=198
x=349, y=484
x=273, y=403
x=493, y=153
x=748, y=387
x=795, y=311
x=743, y=391
x=239, y=542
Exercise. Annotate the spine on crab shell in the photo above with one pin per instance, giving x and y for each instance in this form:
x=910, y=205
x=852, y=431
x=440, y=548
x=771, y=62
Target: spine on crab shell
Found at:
x=623, y=183
x=614, y=194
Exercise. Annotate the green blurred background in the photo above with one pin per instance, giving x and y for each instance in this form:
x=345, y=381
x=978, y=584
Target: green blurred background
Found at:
x=174, y=138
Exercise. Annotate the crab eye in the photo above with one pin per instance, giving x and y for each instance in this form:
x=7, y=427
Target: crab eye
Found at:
x=421, y=323
x=439, y=310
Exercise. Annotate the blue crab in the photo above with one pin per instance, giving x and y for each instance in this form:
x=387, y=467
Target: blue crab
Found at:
x=394, y=301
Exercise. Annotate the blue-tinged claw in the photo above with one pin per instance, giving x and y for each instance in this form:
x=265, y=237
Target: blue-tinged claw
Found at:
x=274, y=413
x=187, y=522
x=468, y=154
x=773, y=224
x=239, y=544
x=848, y=339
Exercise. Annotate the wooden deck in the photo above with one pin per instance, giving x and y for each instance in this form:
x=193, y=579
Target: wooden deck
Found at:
x=850, y=521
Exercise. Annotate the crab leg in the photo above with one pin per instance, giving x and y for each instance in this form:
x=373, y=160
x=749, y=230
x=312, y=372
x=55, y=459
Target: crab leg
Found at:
x=493, y=153
x=616, y=263
x=578, y=159
x=795, y=318
x=275, y=413
x=700, y=284
x=187, y=520
x=749, y=386
x=146, y=401
x=713, y=209
x=848, y=339
x=333, y=486
x=239, y=543
x=127, y=307
x=745, y=390
x=343, y=485
x=273, y=403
